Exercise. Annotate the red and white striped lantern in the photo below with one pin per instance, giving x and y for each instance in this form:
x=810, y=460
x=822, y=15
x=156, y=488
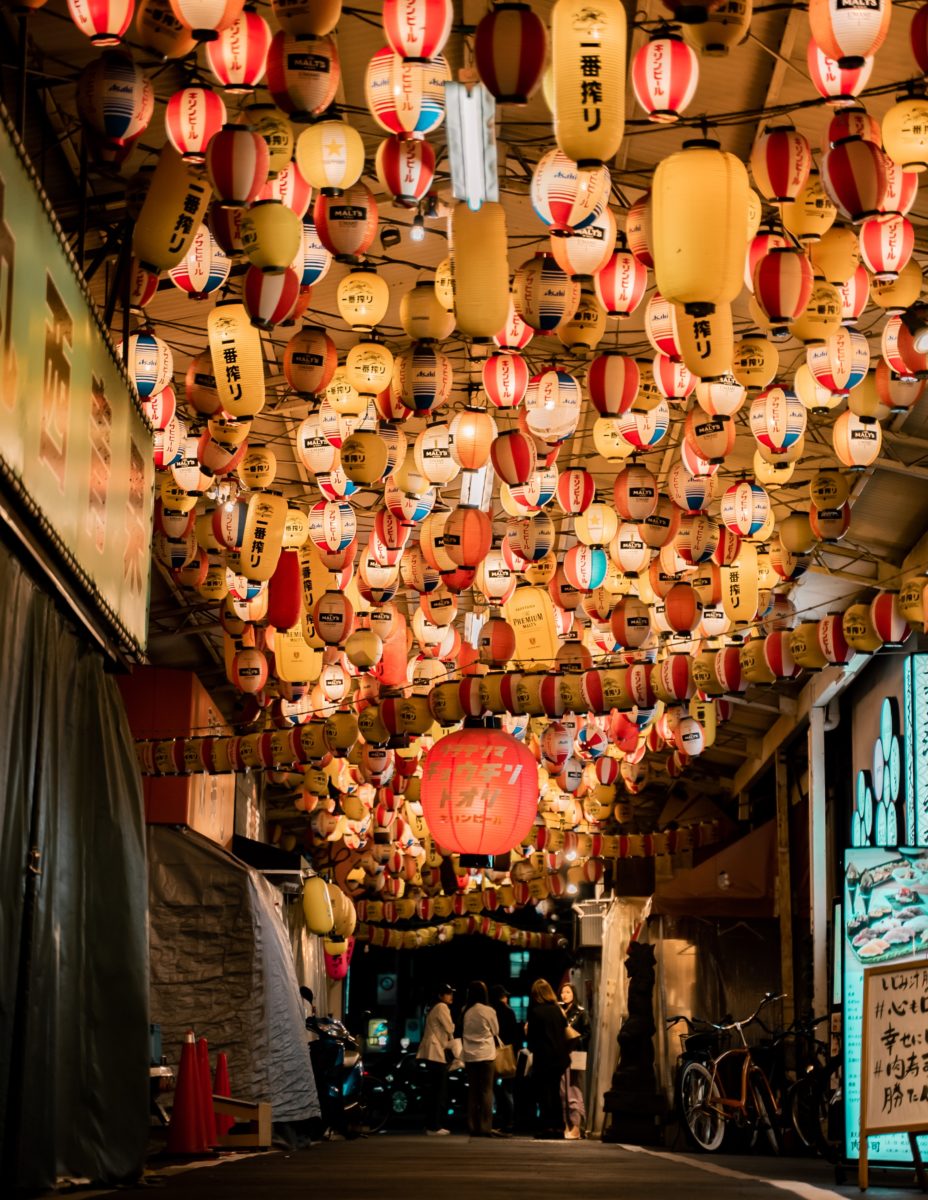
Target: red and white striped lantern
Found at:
x=762, y=243
x=505, y=379
x=777, y=419
x=270, y=299
x=347, y=224
x=783, y=282
x=417, y=29
x=303, y=74
x=576, y=491
x=888, y=621
x=854, y=175
x=192, y=116
x=638, y=230
x=103, y=21
x=849, y=33
x=841, y=362
x=838, y=85
x=854, y=295
x=665, y=72
x=612, y=382
x=405, y=167
x=514, y=456
x=781, y=159
x=832, y=642
x=204, y=267
x=291, y=188
x=901, y=189
x=778, y=655
x=238, y=57
x=566, y=196
x=510, y=48
x=660, y=326
x=886, y=244
x=237, y=161
x=674, y=380
x=515, y=334
x=206, y=18
x=621, y=284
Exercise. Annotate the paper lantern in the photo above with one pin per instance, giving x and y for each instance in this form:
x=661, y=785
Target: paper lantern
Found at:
x=333, y=618
x=513, y=455
x=505, y=379
x=467, y=536
x=755, y=361
x=707, y=342
x=149, y=363
x=406, y=97
x=237, y=161
x=638, y=230
x=423, y=317
x=857, y=441
x=262, y=537
x=480, y=266
x=238, y=362
x=890, y=624
x=588, y=249
x=840, y=363
x=777, y=419
x=854, y=295
x=204, y=268
x=543, y=294
x=552, y=406
x=271, y=236
x=249, y=670
x=665, y=72
x=422, y=377
x=405, y=167
x=710, y=438
x=346, y=224
x=115, y=98
x=613, y=382
x=173, y=209
x=576, y=490
x=831, y=640
x=821, y=316
x=697, y=538
x=238, y=57
x=781, y=159
x=744, y=508
x=811, y=213
x=860, y=633
x=635, y=493
x=417, y=29
x=699, y=202
x=330, y=156
x=584, y=330
x=588, y=76
x=905, y=138
x=849, y=35
x=585, y=567
x=270, y=297
x=310, y=359
x=854, y=175
x=192, y=116
x=207, y=18
x=303, y=74
x=830, y=524
x=510, y=46
x=103, y=21
x=621, y=283
x=783, y=282
x=565, y=196
x=837, y=84
x=836, y=255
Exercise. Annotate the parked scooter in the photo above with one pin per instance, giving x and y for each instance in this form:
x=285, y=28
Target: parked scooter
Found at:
x=353, y=1102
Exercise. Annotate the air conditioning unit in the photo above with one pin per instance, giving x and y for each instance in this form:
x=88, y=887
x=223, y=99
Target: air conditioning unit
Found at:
x=588, y=918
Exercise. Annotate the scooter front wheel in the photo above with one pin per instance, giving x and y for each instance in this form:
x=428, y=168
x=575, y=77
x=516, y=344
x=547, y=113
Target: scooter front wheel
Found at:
x=373, y=1104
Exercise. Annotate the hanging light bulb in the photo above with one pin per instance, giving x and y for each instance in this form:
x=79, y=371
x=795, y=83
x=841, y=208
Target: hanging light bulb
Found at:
x=417, y=232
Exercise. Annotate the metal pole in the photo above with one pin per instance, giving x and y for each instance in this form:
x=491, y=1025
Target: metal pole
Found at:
x=82, y=205
x=21, y=92
x=818, y=866
x=784, y=889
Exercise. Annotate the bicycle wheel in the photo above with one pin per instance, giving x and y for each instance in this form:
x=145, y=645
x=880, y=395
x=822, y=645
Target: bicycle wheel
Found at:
x=374, y=1104
x=765, y=1110
x=810, y=1103
x=699, y=1107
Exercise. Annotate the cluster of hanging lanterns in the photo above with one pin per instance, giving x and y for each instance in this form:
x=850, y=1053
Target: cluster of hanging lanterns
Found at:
x=611, y=619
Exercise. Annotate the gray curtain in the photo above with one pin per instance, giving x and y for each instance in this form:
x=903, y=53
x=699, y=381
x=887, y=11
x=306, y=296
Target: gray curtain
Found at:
x=222, y=965
x=74, y=1042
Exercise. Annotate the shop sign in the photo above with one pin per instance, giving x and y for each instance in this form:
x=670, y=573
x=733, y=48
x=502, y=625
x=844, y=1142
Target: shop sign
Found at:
x=75, y=449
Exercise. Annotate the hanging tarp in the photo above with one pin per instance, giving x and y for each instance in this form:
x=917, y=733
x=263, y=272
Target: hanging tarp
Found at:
x=74, y=1046
x=739, y=881
x=221, y=964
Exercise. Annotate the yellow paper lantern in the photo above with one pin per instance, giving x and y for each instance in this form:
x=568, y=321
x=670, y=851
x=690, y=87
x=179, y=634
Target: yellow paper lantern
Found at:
x=369, y=367
x=805, y=647
x=313, y=19
x=317, y=905
x=588, y=55
x=706, y=341
x=811, y=214
x=755, y=361
x=821, y=316
x=813, y=396
x=330, y=156
x=836, y=255
x=423, y=316
x=275, y=129
x=480, y=267
x=699, y=215
x=584, y=330
x=726, y=25
x=262, y=539
x=271, y=236
x=363, y=298
x=172, y=213
x=258, y=468
x=859, y=630
x=905, y=133
x=444, y=284
x=897, y=294
x=238, y=363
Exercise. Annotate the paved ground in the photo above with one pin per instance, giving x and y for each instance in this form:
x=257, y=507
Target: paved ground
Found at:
x=397, y=1167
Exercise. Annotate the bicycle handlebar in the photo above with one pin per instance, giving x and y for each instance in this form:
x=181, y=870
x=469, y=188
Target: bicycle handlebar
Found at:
x=769, y=998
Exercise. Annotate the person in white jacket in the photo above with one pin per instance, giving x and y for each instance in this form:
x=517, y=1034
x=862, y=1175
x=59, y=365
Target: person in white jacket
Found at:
x=480, y=1033
x=435, y=1050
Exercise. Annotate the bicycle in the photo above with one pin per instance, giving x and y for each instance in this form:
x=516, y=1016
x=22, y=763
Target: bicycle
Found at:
x=814, y=1101
x=729, y=1092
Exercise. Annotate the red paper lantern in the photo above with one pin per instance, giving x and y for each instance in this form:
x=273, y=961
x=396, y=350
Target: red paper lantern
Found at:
x=237, y=162
x=621, y=284
x=292, y=190
x=576, y=491
x=405, y=166
x=103, y=21
x=192, y=116
x=417, y=29
x=347, y=224
x=783, y=282
x=510, y=47
x=886, y=244
x=505, y=379
x=838, y=85
x=238, y=58
x=781, y=159
x=613, y=381
x=479, y=792
x=665, y=72
x=849, y=34
x=270, y=299
x=888, y=621
x=854, y=175
x=514, y=456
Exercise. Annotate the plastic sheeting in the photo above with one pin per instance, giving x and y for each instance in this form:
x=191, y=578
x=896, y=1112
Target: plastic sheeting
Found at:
x=620, y=922
x=308, y=957
x=74, y=1045
x=221, y=964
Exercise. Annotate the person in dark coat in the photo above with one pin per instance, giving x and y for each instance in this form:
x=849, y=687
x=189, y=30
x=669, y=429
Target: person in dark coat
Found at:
x=510, y=1034
x=546, y=1032
x=573, y=1080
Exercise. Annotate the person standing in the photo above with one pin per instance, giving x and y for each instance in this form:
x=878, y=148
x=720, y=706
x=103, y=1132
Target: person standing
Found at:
x=480, y=1030
x=435, y=1051
x=546, y=1031
x=510, y=1034
x=573, y=1078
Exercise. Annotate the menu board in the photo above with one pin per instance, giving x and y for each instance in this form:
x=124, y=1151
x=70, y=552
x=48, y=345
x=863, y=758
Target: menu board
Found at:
x=894, y=1058
x=885, y=925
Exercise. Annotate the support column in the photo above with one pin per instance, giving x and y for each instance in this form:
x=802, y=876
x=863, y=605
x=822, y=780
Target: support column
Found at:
x=784, y=889
x=818, y=860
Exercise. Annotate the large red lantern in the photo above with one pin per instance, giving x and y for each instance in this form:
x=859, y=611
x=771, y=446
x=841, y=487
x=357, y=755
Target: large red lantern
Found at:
x=620, y=285
x=665, y=72
x=886, y=244
x=783, y=283
x=237, y=161
x=347, y=224
x=781, y=159
x=612, y=382
x=405, y=166
x=417, y=29
x=193, y=115
x=514, y=456
x=303, y=74
x=838, y=85
x=510, y=47
x=505, y=379
x=269, y=298
x=854, y=175
x=238, y=58
x=103, y=21
x=479, y=792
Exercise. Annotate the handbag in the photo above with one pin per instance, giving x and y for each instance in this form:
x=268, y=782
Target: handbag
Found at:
x=505, y=1062
x=453, y=1052
x=578, y=1060
x=572, y=1034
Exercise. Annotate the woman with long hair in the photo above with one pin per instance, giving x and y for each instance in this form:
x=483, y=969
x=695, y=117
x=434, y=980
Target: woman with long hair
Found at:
x=572, y=1080
x=546, y=1033
x=479, y=1029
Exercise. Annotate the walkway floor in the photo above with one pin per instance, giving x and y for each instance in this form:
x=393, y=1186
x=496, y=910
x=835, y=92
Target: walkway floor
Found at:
x=397, y=1167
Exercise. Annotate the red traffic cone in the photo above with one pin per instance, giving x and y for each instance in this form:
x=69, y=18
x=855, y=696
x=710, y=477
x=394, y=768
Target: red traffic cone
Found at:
x=222, y=1087
x=206, y=1092
x=186, y=1134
